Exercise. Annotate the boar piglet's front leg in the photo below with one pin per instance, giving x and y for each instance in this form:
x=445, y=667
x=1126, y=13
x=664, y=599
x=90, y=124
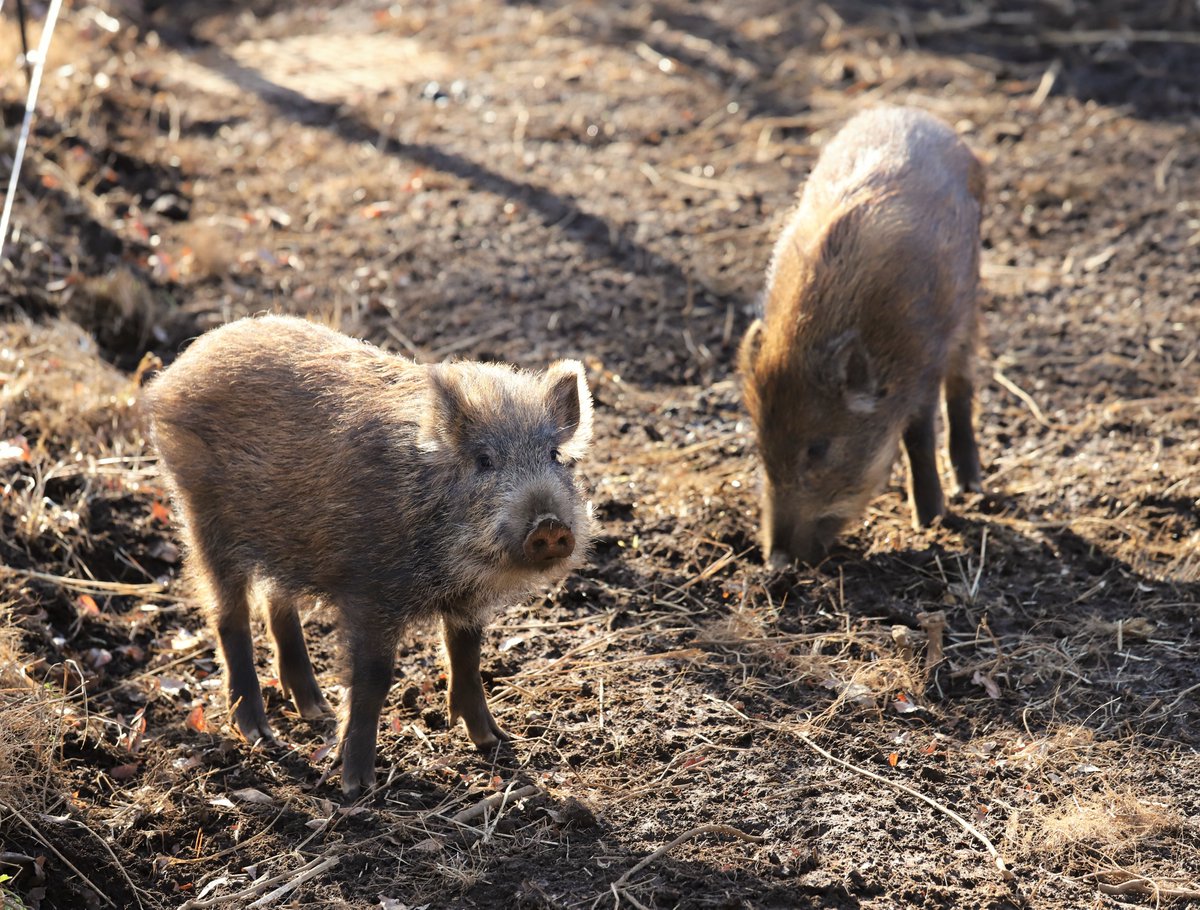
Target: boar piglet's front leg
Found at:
x=925, y=487
x=466, y=696
x=371, y=649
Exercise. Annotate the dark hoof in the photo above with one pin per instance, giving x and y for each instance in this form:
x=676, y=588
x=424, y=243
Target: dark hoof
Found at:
x=313, y=708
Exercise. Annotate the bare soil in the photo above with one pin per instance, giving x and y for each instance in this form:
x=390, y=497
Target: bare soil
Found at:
x=603, y=181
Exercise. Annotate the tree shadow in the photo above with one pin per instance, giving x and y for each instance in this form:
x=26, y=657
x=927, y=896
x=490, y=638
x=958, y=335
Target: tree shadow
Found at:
x=600, y=236
x=1112, y=53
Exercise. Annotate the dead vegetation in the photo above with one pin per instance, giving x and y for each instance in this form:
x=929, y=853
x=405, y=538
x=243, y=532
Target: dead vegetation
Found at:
x=603, y=181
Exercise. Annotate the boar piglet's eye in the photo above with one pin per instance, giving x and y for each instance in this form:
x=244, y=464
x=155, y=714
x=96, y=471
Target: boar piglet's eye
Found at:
x=818, y=449
x=484, y=462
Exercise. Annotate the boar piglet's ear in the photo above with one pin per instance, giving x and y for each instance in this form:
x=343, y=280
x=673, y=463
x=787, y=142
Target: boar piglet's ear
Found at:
x=446, y=418
x=751, y=347
x=850, y=369
x=569, y=404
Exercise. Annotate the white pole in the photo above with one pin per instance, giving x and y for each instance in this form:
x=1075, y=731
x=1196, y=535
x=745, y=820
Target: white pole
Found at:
x=30, y=105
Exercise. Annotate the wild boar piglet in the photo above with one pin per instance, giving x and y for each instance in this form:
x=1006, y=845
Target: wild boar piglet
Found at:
x=869, y=311
x=326, y=470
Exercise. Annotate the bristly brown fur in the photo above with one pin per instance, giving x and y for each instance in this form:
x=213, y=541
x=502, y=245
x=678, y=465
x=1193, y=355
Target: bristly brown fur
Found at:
x=870, y=308
x=391, y=490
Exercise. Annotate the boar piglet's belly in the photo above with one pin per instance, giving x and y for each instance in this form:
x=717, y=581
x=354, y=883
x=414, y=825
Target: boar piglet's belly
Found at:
x=356, y=525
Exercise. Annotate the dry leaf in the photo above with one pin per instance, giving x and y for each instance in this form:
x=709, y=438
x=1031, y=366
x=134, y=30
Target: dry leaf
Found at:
x=250, y=795
x=124, y=772
x=989, y=684
x=320, y=752
x=196, y=719
x=87, y=605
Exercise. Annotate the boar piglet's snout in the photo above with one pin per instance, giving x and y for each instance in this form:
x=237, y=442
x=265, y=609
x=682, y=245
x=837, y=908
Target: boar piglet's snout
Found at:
x=540, y=526
x=549, y=541
x=791, y=535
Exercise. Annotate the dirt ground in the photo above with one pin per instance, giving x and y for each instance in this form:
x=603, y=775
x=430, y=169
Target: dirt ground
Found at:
x=530, y=181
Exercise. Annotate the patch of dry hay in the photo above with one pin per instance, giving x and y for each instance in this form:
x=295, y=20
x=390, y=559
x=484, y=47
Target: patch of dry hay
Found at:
x=860, y=667
x=1083, y=818
x=64, y=414
x=55, y=389
x=27, y=730
x=1108, y=822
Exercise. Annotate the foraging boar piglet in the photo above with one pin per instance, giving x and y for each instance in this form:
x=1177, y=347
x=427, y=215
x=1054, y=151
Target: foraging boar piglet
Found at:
x=869, y=310
x=390, y=490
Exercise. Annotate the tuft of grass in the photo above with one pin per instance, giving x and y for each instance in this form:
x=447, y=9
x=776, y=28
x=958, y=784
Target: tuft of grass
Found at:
x=27, y=728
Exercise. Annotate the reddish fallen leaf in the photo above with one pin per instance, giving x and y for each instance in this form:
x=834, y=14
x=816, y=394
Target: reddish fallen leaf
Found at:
x=396, y=724
x=87, y=605
x=132, y=739
x=159, y=512
x=124, y=772
x=320, y=753
x=196, y=719
x=893, y=758
x=930, y=749
x=135, y=653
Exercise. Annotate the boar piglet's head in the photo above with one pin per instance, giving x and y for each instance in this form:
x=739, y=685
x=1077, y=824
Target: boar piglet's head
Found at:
x=510, y=439
x=826, y=447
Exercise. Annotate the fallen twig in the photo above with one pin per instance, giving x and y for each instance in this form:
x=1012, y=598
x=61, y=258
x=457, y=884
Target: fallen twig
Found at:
x=90, y=586
x=930, y=801
x=933, y=803
x=496, y=799
x=41, y=838
x=1140, y=885
x=292, y=880
x=727, y=830
x=302, y=875
x=1007, y=383
x=1130, y=36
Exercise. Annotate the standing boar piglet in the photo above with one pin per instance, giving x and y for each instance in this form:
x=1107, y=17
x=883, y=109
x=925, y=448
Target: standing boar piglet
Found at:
x=326, y=469
x=869, y=311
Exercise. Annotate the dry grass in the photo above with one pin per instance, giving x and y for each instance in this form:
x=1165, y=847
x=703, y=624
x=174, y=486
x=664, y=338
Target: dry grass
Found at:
x=70, y=432
x=28, y=731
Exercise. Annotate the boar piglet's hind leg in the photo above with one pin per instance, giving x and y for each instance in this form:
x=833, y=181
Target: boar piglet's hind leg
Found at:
x=231, y=608
x=372, y=657
x=960, y=395
x=466, y=697
x=295, y=669
x=925, y=487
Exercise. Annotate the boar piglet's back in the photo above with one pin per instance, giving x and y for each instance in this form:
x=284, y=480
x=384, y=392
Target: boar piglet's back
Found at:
x=869, y=311
x=326, y=469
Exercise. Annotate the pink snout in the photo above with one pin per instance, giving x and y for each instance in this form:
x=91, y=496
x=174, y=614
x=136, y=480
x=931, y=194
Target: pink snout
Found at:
x=549, y=541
